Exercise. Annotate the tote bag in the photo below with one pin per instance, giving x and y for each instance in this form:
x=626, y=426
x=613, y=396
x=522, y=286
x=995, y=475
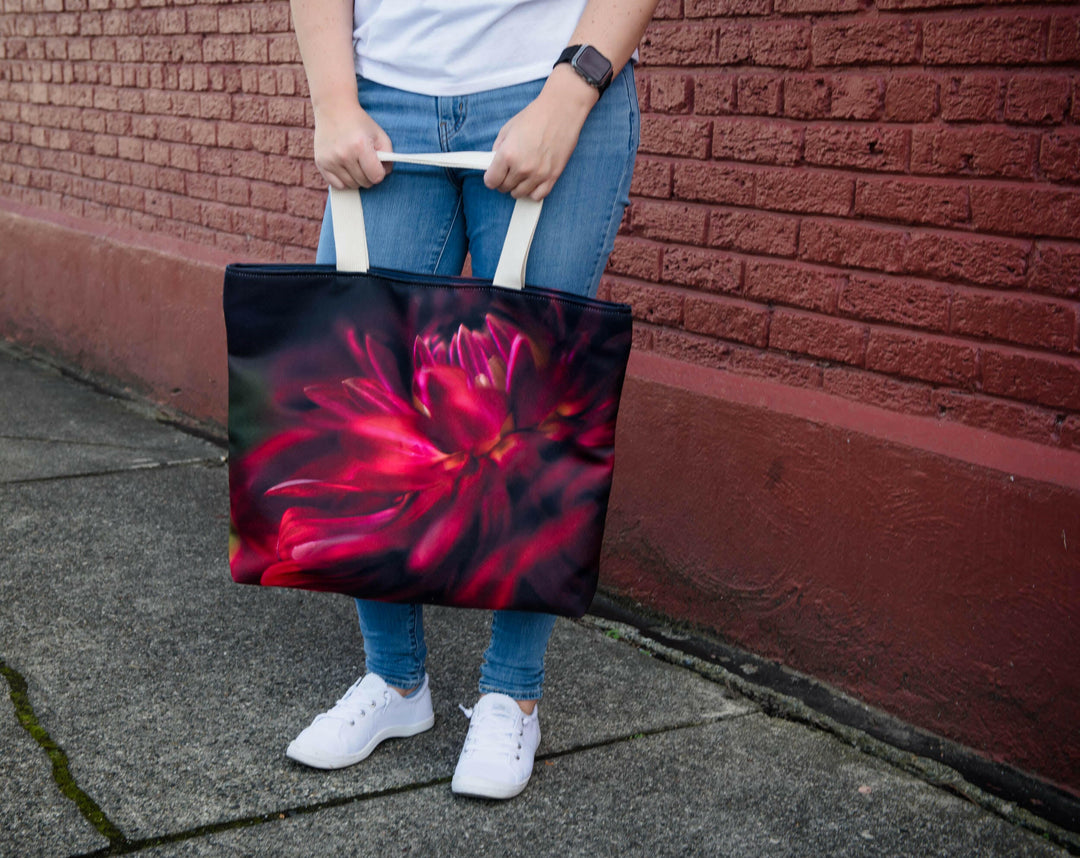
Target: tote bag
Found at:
x=421, y=439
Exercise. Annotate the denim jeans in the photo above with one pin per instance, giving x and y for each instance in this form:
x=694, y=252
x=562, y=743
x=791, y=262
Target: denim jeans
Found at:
x=426, y=220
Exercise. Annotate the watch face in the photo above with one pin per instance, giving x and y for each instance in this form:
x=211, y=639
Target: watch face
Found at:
x=592, y=63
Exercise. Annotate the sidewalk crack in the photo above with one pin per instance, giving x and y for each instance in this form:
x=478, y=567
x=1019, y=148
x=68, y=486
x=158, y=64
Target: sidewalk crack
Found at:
x=132, y=846
x=111, y=472
x=71, y=442
x=61, y=771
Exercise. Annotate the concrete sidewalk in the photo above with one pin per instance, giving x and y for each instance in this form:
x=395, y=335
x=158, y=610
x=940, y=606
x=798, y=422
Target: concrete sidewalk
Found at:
x=152, y=699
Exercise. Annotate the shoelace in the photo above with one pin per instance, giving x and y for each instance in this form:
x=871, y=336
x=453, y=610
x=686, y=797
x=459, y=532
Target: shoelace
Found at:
x=351, y=706
x=501, y=733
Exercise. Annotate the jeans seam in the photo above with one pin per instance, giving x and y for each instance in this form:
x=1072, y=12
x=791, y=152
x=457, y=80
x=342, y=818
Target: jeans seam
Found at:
x=620, y=202
x=446, y=237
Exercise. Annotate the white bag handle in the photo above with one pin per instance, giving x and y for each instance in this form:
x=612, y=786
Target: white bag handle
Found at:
x=350, y=237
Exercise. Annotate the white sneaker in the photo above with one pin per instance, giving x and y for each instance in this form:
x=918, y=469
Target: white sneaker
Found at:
x=370, y=712
x=497, y=759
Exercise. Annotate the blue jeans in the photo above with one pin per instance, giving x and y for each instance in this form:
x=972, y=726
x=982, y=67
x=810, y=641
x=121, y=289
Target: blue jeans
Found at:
x=426, y=220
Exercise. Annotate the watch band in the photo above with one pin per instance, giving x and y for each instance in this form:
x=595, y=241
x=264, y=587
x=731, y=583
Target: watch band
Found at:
x=593, y=67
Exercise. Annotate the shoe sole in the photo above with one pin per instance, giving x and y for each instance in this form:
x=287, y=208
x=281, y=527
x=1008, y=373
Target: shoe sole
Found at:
x=317, y=761
x=472, y=787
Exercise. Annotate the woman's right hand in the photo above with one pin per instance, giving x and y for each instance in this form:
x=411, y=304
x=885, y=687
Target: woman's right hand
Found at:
x=346, y=140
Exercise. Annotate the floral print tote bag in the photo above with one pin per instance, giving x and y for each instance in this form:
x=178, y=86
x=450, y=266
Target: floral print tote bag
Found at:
x=414, y=438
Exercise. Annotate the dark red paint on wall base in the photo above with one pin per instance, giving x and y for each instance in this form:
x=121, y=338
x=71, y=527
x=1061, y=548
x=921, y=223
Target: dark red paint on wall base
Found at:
x=801, y=528
x=928, y=568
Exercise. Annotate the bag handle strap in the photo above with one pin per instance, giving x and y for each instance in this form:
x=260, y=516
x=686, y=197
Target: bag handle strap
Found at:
x=350, y=237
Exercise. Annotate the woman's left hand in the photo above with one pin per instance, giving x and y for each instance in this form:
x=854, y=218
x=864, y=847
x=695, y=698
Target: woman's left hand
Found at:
x=533, y=148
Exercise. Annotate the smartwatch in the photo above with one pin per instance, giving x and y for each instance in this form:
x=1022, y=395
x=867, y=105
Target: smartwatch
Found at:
x=593, y=66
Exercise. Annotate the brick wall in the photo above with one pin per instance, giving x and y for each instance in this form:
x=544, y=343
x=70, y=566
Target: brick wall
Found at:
x=178, y=118
x=880, y=201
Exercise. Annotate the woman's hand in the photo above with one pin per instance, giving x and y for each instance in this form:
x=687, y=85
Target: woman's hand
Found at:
x=533, y=148
x=346, y=139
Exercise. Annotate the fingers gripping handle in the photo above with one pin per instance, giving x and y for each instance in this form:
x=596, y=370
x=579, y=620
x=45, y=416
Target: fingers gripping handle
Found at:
x=350, y=237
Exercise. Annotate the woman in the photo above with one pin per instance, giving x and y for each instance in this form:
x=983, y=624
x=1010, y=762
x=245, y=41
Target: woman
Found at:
x=548, y=86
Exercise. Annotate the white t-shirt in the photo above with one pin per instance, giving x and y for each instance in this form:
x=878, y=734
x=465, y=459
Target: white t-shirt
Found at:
x=457, y=47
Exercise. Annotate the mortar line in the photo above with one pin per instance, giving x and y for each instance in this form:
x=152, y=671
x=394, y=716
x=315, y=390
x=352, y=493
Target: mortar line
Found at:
x=61, y=770
x=112, y=472
x=128, y=847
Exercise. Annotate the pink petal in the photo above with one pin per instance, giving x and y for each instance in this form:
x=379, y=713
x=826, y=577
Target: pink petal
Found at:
x=384, y=364
x=465, y=418
x=450, y=525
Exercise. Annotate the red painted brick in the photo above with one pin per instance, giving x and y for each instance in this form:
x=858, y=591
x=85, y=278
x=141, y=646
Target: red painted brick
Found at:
x=801, y=190
x=873, y=147
x=714, y=94
x=793, y=284
x=1055, y=269
x=284, y=171
x=857, y=96
x=249, y=108
x=661, y=135
x=652, y=178
x=670, y=93
x=1021, y=210
x=980, y=150
x=1015, y=318
x=283, y=49
x=287, y=229
x=916, y=355
x=727, y=319
x=702, y=269
x=996, y=415
x=669, y=221
x=720, y=8
x=786, y=369
x=1070, y=432
x=901, y=301
x=803, y=7
x=762, y=140
x=942, y=203
x=806, y=97
x=714, y=183
x=733, y=43
x=250, y=165
x=865, y=41
x=819, y=336
x=703, y=351
x=234, y=19
x=1037, y=99
x=911, y=98
x=270, y=18
x=680, y=44
x=993, y=40
x=1063, y=44
x=251, y=49
x=650, y=303
x=1031, y=377
x=1059, y=155
x=994, y=262
x=879, y=390
x=759, y=94
x=268, y=196
x=753, y=232
x=306, y=202
x=291, y=111
x=637, y=259
x=853, y=244
x=783, y=44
